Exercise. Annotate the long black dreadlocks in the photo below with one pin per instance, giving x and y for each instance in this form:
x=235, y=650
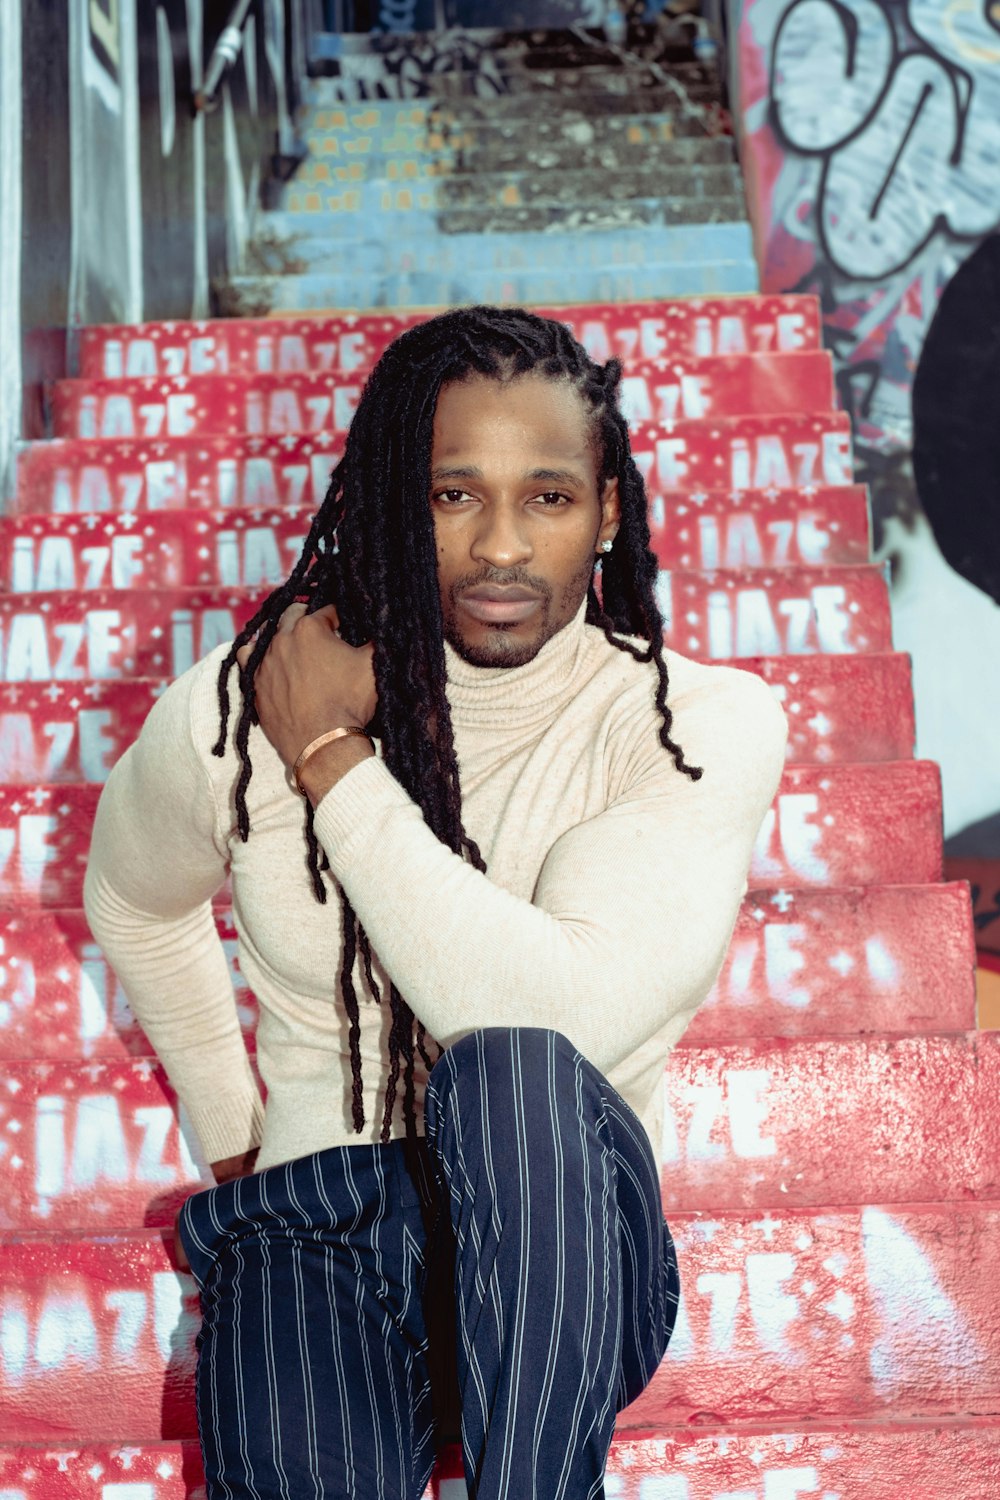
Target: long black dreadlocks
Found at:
x=371, y=551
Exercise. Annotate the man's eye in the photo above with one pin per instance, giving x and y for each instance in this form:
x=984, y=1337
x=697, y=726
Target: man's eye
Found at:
x=555, y=495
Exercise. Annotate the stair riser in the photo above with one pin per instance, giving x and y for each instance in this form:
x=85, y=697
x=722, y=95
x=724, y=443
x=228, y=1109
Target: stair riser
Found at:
x=881, y=959
x=617, y=281
x=520, y=145
x=105, y=475
x=505, y=74
x=667, y=330
x=113, y=634
x=797, y=1123
x=961, y=1461
x=834, y=1314
x=779, y=528
x=587, y=103
x=842, y=962
x=665, y=393
x=839, y=708
x=476, y=255
x=98, y=1145
x=853, y=824
x=235, y=547
x=842, y=708
x=405, y=216
x=545, y=217
x=877, y=824
x=787, y=612
x=382, y=185
x=345, y=134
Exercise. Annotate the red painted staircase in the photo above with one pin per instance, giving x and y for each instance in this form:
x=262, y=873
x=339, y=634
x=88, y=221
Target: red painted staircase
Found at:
x=831, y=1140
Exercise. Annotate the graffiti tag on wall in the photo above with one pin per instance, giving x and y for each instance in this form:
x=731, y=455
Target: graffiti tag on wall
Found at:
x=872, y=145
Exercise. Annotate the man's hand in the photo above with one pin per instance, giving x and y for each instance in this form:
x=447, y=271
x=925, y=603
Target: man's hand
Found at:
x=311, y=681
x=225, y=1170
x=235, y=1166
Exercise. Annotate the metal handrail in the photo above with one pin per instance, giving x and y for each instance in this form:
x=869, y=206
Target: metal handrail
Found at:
x=224, y=54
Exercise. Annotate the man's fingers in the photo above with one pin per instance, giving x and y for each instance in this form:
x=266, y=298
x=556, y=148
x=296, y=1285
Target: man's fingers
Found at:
x=289, y=619
x=179, y=1253
x=292, y=616
x=328, y=613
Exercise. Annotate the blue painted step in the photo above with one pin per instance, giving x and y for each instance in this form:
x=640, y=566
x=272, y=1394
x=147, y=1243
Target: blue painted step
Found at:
x=691, y=116
x=466, y=254
x=330, y=93
x=654, y=172
x=352, y=222
x=351, y=135
x=244, y=296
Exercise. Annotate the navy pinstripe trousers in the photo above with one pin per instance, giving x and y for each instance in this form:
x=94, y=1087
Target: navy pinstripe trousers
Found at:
x=517, y=1291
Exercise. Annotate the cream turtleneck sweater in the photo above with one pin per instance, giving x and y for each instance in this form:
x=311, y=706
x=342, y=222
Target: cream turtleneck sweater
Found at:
x=612, y=888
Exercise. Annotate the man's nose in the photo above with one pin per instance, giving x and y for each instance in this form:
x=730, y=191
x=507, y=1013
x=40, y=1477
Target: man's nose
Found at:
x=502, y=537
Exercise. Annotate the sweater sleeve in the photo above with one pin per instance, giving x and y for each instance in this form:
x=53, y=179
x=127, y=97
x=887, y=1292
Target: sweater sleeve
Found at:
x=157, y=856
x=633, y=910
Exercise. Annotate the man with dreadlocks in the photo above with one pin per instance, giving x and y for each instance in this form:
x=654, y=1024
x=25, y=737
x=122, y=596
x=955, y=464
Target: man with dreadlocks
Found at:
x=527, y=867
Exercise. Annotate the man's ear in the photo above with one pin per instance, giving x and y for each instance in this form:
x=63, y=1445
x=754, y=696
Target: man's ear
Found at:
x=611, y=505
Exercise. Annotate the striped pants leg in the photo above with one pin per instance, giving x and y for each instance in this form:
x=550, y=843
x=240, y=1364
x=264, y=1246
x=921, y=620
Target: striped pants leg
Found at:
x=341, y=1344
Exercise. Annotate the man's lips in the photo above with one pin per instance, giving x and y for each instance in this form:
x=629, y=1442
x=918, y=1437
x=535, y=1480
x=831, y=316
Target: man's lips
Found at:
x=514, y=606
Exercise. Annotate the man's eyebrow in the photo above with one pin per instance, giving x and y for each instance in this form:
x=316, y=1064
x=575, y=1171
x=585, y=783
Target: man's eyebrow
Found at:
x=552, y=476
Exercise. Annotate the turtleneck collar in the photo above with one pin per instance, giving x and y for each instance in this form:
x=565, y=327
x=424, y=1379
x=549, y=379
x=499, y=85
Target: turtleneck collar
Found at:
x=517, y=695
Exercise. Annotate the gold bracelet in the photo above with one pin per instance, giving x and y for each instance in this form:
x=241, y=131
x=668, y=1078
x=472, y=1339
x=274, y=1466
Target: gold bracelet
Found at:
x=316, y=744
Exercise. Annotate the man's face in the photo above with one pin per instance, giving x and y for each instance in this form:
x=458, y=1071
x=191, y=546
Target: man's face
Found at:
x=515, y=500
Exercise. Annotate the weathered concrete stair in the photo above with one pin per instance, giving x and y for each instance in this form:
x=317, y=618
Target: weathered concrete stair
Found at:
x=461, y=198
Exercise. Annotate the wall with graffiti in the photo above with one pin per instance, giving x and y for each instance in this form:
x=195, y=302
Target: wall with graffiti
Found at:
x=870, y=139
x=130, y=204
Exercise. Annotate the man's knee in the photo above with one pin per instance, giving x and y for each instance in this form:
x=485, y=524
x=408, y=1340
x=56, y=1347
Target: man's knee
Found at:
x=490, y=1050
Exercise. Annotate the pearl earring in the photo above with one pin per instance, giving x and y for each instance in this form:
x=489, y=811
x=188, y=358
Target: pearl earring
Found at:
x=606, y=546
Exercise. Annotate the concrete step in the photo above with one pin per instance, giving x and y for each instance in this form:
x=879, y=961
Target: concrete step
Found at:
x=855, y=823
x=839, y=708
x=842, y=707
x=440, y=128
x=762, y=324
x=253, y=297
x=479, y=254
x=800, y=1122
x=344, y=136
x=660, y=391
x=821, y=1121
x=439, y=183
x=960, y=1459
x=70, y=731
x=116, y=632
x=74, y=475
x=841, y=1314
x=547, y=218
x=750, y=528
x=44, y=552
x=111, y=634
x=502, y=250
x=842, y=961
x=824, y=824
x=406, y=215
x=741, y=612
x=587, y=101
x=831, y=962
x=744, y=453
